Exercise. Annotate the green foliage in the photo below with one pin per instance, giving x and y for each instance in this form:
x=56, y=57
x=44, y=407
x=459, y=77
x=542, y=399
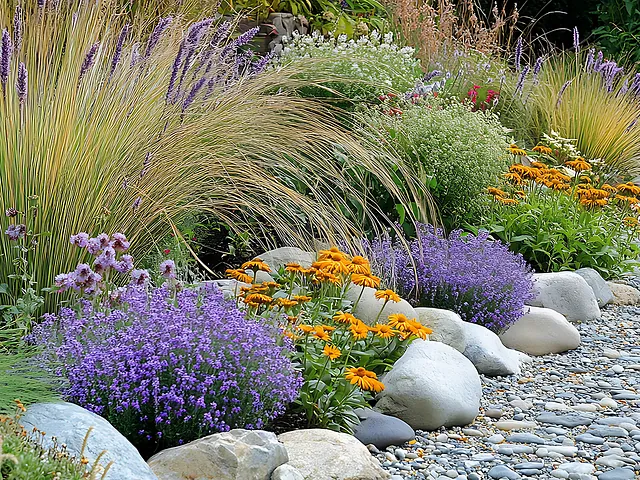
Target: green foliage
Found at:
x=23, y=456
x=20, y=378
x=559, y=222
x=619, y=30
x=359, y=70
x=458, y=151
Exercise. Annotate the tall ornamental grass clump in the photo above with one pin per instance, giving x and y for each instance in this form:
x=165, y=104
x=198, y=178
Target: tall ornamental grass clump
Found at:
x=166, y=368
x=457, y=149
x=111, y=126
x=472, y=275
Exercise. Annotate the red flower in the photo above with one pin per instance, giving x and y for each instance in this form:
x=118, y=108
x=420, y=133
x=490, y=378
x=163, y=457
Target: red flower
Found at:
x=167, y=251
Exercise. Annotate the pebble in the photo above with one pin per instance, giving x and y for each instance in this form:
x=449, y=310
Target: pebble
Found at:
x=502, y=471
x=618, y=474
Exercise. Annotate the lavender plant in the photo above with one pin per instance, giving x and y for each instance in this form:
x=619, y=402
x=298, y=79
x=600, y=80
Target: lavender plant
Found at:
x=166, y=370
x=472, y=275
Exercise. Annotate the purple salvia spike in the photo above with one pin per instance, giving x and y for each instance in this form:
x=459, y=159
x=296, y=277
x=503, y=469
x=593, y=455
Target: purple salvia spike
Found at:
x=536, y=68
x=576, y=39
x=174, y=72
x=521, y=79
x=518, y=53
x=162, y=25
x=192, y=94
x=118, y=52
x=220, y=34
x=21, y=83
x=194, y=36
x=564, y=87
x=6, y=50
x=242, y=40
x=88, y=60
x=17, y=28
x=260, y=65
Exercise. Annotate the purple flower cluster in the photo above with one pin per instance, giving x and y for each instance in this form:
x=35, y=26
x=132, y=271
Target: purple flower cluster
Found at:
x=16, y=231
x=476, y=277
x=166, y=370
x=107, y=251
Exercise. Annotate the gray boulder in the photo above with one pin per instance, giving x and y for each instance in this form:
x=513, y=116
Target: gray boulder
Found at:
x=69, y=423
x=368, y=306
x=624, y=294
x=235, y=455
x=381, y=430
x=599, y=286
x=286, y=472
x=566, y=293
x=230, y=287
x=327, y=455
x=541, y=331
x=447, y=326
x=430, y=386
x=488, y=354
x=279, y=257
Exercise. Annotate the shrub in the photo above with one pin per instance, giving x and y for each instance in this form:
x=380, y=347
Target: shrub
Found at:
x=459, y=149
x=169, y=369
x=340, y=356
x=359, y=69
x=472, y=275
x=129, y=134
x=569, y=216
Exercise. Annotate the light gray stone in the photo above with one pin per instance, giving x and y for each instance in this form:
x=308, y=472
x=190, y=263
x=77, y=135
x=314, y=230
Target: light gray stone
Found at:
x=598, y=284
x=624, y=294
x=488, y=354
x=368, y=307
x=566, y=293
x=381, y=430
x=286, y=472
x=230, y=287
x=327, y=455
x=447, y=326
x=541, y=331
x=431, y=385
x=70, y=423
x=279, y=257
x=234, y=455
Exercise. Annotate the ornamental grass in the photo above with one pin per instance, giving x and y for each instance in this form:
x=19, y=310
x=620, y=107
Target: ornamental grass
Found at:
x=111, y=128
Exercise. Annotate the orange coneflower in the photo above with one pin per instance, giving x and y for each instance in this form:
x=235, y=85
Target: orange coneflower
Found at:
x=292, y=319
x=609, y=188
x=255, y=265
x=496, y=192
x=359, y=330
x=399, y=321
x=383, y=330
x=542, y=149
x=306, y=329
x=239, y=275
x=513, y=178
x=327, y=277
x=507, y=201
x=539, y=165
x=331, y=352
x=629, y=200
x=521, y=193
x=359, y=265
x=365, y=280
x=631, y=221
x=419, y=330
x=285, y=302
x=515, y=150
x=302, y=298
x=579, y=164
x=258, y=298
x=321, y=334
x=294, y=267
x=629, y=188
x=332, y=266
x=364, y=379
x=333, y=253
x=387, y=295
x=342, y=317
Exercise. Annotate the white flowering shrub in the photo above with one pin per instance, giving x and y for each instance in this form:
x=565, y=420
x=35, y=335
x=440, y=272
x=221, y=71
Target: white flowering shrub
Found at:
x=359, y=69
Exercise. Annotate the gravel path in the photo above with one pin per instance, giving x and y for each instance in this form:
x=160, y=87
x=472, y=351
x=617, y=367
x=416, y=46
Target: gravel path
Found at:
x=571, y=416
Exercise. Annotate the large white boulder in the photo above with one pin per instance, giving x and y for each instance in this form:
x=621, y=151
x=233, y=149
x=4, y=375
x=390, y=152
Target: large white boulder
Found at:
x=541, y=331
x=327, y=455
x=488, y=354
x=70, y=423
x=368, y=307
x=566, y=293
x=598, y=284
x=430, y=386
x=235, y=455
x=279, y=257
x=447, y=326
x=624, y=294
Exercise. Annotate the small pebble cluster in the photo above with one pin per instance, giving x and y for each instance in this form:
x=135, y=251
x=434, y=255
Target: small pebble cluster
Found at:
x=571, y=416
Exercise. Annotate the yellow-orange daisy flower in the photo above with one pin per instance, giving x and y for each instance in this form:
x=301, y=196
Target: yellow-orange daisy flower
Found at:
x=256, y=264
x=294, y=267
x=387, y=296
x=364, y=379
x=579, y=164
x=342, y=317
x=302, y=298
x=542, y=149
x=359, y=265
x=258, y=298
x=383, y=330
x=399, y=321
x=239, y=275
x=359, y=330
x=365, y=280
x=331, y=352
x=515, y=150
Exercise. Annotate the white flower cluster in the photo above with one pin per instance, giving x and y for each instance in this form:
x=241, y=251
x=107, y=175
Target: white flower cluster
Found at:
x=566, y=146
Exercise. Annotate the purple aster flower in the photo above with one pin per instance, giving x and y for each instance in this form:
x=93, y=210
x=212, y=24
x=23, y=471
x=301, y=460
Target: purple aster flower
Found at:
x=103, y=263
x=82, y=272
x=80, y=239
x=65, y=281
x=161, y=26
x=168, y=269
x=118, y=52
x=15, y=232
x=89, y=58
x=139, y=277
x=93, y=246
x=125, y=264
x=119, y=242
x=21, y=84
x=6, y=50
x=104, y=240
x=518, y=53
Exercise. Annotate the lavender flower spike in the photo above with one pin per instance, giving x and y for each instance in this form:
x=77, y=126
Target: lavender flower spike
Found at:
x=521, y=79
x=576, y=39
x=21, y=84
x=246, y=37
x=6, y=49
x=88, y=60
x=162, y=25
x=17, y=28
x=41, y=4
x=537, y=67
x=118, y=52
x=564, y=87
x=518, y=53
x=192, y=94
x=590, y=59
